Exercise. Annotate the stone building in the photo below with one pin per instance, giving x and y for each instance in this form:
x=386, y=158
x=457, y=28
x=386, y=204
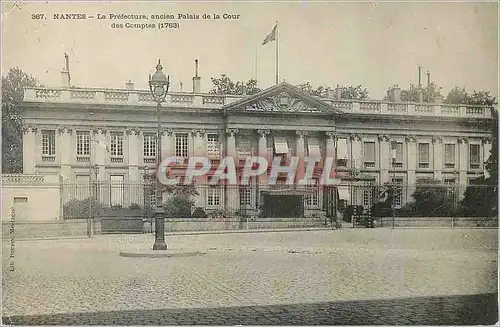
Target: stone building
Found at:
x=77, y=132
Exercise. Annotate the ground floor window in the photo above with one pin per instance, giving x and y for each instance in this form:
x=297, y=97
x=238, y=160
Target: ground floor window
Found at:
x=213, y=196
x=312, y=197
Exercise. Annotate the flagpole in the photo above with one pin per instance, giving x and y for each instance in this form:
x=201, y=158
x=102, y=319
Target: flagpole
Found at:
x=277, y=52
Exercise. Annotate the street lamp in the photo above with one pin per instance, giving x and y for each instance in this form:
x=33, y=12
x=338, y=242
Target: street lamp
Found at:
x=158, y=85
x=393, y=163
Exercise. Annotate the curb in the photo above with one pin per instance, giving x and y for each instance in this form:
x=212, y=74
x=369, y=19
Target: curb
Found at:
x=246, y=231
x=159, y=254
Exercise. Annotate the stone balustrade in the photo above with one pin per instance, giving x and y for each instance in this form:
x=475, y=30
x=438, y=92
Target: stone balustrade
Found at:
x=173, y=99
x=26, y=179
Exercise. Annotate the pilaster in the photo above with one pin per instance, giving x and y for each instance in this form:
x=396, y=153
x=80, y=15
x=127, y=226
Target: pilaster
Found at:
x=437, y=142
x=486, y=154
x=66, y=151
x=356, y=150
x=199, y=142
x=385, y=158
x=167, y=142
x=330, y=144
x=232, y=193
x=30, y=152
x=411, y=145
x=134, y=149
x=263, y=133
x=300, y=152
x=463, y=149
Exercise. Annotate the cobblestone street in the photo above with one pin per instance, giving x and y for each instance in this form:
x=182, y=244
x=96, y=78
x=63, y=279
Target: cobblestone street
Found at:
x=362, y=276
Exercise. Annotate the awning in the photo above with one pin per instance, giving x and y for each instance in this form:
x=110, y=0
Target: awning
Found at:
x=280, y=145
x=313, y=148
x=344, y=193
x=342, y=149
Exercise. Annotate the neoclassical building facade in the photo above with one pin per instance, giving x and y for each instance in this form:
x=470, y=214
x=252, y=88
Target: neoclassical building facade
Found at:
x=110, y=134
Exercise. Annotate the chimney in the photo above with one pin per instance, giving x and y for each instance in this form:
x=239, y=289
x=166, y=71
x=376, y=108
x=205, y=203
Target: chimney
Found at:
x=420, y=96
x=129, y=85
x=196, y=78
x=330, y=93
x=390, y=95
x=396, y=94
x=66, y=77
x=338, y=92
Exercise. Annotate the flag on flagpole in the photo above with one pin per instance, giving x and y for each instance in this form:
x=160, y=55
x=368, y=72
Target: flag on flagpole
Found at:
x=271, y=36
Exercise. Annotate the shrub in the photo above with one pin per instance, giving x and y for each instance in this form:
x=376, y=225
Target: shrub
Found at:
x=134, y=206
x=80, y=209
x=178, y=206
x=199, y=213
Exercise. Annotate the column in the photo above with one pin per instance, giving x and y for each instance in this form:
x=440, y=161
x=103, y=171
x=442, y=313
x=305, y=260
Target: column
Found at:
x=330, y=150
x=66, y=152
x=30, y=152
x=232, y=193
x=300, y=153
x=356, y=150
x=411, y=160
x=385, y=158
x=437, y=142
x=463, y=151
x=263, y=178
x=167, y=143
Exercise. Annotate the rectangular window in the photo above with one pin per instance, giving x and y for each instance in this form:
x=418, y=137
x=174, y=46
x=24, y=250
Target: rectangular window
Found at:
x=213, y=196
x=181, y=144
x=398, y=185
x=48, y=143
x=449, y=155
x=213, y=145
x=245, y=196
x=83, y=143
x=474, y=156
x=244, y=147
x=398, y=147
x=369, y=154
x=312, y=196
x=116, y=191
x=117, y=144
x=423, y=155
x=149, y=146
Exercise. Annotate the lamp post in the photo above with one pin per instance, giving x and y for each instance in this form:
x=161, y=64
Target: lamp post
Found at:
x=158, y=85
x=393, y=204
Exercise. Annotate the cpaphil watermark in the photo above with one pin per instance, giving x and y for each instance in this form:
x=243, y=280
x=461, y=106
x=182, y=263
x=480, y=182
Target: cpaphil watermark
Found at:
x=299, y=171
x=12, y=239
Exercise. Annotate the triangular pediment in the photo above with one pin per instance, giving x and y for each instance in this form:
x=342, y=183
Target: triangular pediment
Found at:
x=282, y=97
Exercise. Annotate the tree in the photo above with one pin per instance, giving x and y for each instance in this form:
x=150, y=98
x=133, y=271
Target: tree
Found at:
x=457, y=95
x=430, y=92
x=432, y=199
x=349, y=92
x=12, y=118
x=224, y=85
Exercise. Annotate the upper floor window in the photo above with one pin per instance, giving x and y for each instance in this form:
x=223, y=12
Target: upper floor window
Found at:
x=181, y=145
x=213, y=145
x=83, y=143
x=116, y=144
x=423, y=155
x=474, y=156
x=397, y=147
x=369, y=154
x=149, y=145
x=449, y=155
x=48, y=143
x=341, y=156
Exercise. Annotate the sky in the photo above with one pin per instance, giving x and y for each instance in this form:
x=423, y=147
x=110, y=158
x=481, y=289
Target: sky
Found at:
x=375, y=44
